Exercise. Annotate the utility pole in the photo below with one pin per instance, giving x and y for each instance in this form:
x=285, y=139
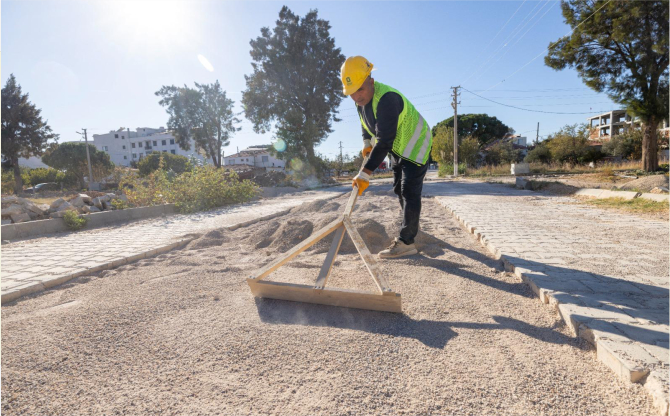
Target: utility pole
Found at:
x=537, y=136
x=455, y=106
x=88, y=158
x=341, y=160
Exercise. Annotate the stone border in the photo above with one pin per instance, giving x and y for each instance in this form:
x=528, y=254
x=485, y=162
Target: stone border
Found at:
x=97, y=219
x=617, y=356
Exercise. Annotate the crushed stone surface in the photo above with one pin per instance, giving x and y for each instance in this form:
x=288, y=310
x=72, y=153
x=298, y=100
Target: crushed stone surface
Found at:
x=180, y=333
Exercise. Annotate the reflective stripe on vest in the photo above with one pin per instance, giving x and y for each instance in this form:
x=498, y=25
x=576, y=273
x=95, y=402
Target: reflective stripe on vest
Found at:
x=412, y=144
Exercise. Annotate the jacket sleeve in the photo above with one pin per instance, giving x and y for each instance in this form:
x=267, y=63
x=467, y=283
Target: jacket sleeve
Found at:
x=388, y=110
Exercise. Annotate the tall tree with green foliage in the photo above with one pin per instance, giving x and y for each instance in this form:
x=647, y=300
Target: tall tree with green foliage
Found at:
x=71, y=157
x=295, y=85
x=621, y=48
x=203, y=113
x=24, y=133
x=482, y=127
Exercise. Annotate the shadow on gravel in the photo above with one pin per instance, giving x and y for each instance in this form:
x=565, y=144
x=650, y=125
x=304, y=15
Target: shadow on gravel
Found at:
x=433, y=334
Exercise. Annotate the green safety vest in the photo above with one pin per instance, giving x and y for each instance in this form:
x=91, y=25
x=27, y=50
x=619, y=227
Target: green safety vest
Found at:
x=413, y=139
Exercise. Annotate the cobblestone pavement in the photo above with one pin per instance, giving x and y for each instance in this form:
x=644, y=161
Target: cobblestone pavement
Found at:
x=606, y=272
x=33, y=265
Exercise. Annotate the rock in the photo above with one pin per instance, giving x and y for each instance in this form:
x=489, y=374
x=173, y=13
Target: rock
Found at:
x=78, y=202
x=105, y=198
x=58, y=214
x=20, y=217
x=44, y=207
x=4, y=222
x=111, y=195
x=657, y=190
x=84, y=210
x=13, y=209
x=56, y=204
x=66, y=206
x=10, y=199
x=106, y=205
x=97, y=202
x=93, y=209
x=85, y=198
x=123, y=198
x=34, y=209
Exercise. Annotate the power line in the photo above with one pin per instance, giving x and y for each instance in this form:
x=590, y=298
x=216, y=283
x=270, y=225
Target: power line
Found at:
x=550, y=46
x=527, y=109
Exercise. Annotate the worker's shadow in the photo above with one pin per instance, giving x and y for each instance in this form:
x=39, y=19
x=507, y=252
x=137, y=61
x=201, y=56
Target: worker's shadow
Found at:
x=434, y=334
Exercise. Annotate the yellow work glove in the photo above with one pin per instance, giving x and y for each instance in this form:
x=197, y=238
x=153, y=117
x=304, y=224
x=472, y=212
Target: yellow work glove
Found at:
x=367, y=147
x=361, y=181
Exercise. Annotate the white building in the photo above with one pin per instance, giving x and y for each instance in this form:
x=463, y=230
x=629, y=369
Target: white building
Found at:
x=125, y=146
x=255, y=156
x=610, y=124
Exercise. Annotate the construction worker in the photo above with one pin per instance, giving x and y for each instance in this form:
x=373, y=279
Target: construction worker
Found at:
x=399, y=131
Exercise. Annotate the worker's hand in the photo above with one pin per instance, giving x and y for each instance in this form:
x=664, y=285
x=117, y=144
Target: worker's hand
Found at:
x=361, y=181
x=367, y=147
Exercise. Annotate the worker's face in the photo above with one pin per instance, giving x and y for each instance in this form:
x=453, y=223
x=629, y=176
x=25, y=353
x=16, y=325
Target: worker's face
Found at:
x=364, y=93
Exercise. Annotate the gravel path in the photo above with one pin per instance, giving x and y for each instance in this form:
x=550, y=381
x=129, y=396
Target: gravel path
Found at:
x=181, y=334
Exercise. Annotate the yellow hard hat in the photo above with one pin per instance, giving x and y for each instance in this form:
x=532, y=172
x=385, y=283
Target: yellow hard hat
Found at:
x=355, y=70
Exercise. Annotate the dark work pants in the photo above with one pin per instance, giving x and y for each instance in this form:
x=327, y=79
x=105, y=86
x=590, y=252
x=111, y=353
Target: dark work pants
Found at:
x=407, y=184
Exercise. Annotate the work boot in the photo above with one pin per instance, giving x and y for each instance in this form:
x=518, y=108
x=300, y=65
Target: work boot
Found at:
x=397, y=249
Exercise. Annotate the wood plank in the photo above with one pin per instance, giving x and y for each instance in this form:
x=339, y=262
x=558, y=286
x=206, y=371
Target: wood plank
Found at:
x=304, y=245
x=330, y=259
x=389, y=302
x=351, y=202
x=367, y=257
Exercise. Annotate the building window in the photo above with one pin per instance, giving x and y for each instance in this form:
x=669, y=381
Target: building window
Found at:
x=173, y=152
x=140, y=144
x=164, y=151
x=265, y=159
x=105, y=148
x=171, y=141
x=123, y=137
x=134, y=155
x=124, y=147
x=155, y=143
x=141, y=154
x=125, y=157
x=132, y=145
x=116, y=136
x=163, y=142
x=149, y=144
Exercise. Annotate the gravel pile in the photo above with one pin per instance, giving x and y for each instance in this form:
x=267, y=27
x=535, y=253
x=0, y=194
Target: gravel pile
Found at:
x=646, y=183
x=180, y=333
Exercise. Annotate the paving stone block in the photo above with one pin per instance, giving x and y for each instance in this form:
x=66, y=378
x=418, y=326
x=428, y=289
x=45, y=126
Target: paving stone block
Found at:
x=645, y=334
x=628, y=360
x=659, y=351
x=596, y=329
x=657, y=386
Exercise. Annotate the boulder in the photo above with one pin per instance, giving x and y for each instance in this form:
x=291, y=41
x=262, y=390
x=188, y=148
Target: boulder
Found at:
x=6, y=222
x=56, y=204
x=123, y=198
x=97, y=202
x=20, y=217
x=111, y=195
x=66, y=206
x=78, y=202
x=85, y=198
x=44, y=207
x=58, y=214
x=34, y=209
x=106, y=205
x=6, y=200
x=93, y=209
x=105, y=198
x=84, y=210
x=13, y=209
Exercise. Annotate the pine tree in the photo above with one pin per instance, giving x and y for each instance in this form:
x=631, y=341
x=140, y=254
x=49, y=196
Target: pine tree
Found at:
x=24, y=133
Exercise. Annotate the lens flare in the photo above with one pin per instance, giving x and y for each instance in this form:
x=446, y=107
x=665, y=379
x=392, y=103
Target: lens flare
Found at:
x=279, y=145
x=205, y=62
x=297, y=164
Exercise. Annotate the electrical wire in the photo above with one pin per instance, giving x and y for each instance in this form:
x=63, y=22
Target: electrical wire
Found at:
x=527, y=109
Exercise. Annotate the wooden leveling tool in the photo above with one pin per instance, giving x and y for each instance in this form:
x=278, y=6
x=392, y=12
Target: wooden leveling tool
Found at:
x=386, y=300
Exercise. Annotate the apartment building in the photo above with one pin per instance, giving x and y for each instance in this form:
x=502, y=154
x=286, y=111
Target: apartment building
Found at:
x=125, y=146
x=610, y=124
x=255, y=156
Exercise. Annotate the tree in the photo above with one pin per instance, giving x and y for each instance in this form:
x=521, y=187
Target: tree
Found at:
x=203, y=113
x=443, y=144
x=540, y=153
x=176, y=163
x=570, y=144
x=24, y=133
x=502, y=152
x=468, y=150
x=295, y=84
x=627, y=145
x=480, y=126
x=621, y=48
x=71, y=157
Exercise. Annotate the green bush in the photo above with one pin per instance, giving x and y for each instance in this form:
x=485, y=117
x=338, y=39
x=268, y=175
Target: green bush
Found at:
x=74, y=221
x=540, y=153
x=7, y=182
x=201, y=189
x=119, y=203
x=444, y=169
x=176, y=163
x=663, y=167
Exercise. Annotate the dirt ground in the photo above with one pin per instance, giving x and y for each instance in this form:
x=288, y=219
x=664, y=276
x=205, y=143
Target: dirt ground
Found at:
x=181, y=334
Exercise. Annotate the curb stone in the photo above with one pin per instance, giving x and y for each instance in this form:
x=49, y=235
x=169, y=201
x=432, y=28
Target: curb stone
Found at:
x=621, y=356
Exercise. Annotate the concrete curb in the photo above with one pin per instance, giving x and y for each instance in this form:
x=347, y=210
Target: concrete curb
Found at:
x=619, y=356
x=96, y=219
x=31, y=287
x=656, y=197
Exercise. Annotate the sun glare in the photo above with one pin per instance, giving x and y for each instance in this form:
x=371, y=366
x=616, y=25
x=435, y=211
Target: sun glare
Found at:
x=205, y=62
x=152, y=24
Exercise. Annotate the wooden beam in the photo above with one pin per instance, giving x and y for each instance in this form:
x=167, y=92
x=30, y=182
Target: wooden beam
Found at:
x=389, y=302
x=351, y=203
x=367, y=257
x=304, y=245
x=330, y=259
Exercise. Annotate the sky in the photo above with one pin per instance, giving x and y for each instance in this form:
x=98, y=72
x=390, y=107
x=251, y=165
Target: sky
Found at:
x=97, y=65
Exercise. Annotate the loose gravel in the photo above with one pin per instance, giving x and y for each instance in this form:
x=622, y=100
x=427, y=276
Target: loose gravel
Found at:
x=181, y=334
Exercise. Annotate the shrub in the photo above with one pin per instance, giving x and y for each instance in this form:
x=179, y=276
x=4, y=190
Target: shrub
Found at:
x=119, y=203
x=540, y=153
x=201, y=189
x=444, y=169
x=74, y=221
x=7, y=182
x=176, y=163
